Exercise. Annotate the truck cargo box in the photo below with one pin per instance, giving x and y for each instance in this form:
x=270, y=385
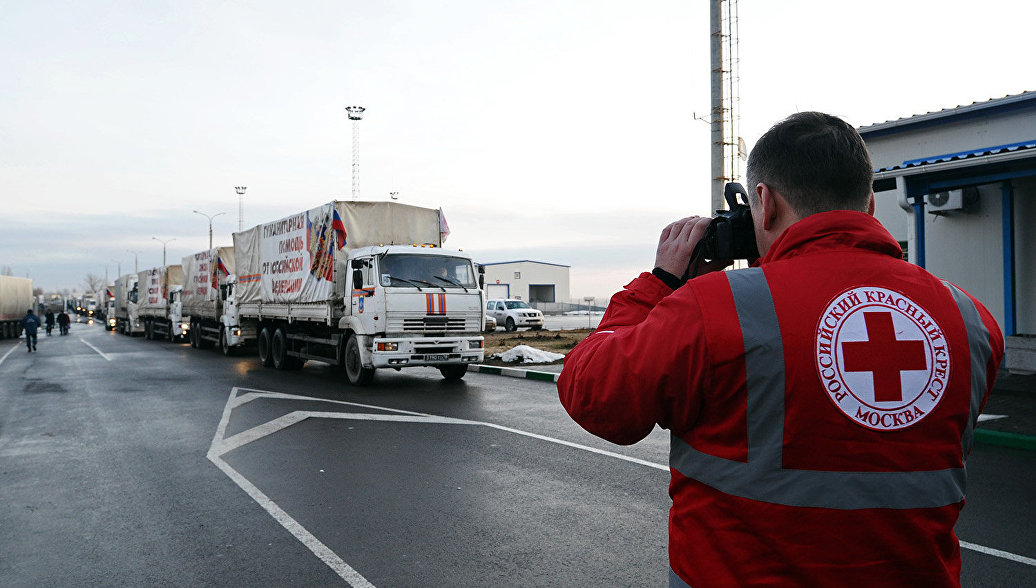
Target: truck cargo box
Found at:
x=302, y=258
x=203, y=273
x=153, y=289
x=15, y=297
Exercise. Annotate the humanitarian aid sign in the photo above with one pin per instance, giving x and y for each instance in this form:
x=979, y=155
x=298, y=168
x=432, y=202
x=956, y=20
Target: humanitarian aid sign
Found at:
x=882, y=358
x=297, y=256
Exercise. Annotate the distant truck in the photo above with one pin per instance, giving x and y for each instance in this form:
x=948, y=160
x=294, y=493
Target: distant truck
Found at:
x=361, y=285
x=106, y=306
x=126, y=320
x=15, y=299
x=158, y=302
x=208, y=300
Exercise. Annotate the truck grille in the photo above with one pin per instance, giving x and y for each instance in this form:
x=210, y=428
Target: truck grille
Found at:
x=435, y=324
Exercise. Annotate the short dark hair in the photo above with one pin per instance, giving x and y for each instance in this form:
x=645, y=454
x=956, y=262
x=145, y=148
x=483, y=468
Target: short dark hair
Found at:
x=818, y=162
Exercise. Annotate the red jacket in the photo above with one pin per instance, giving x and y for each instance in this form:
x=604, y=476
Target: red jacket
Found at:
x=821, y=406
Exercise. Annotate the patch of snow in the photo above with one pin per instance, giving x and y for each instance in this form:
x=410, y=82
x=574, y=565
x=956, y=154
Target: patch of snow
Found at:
x=526, y=354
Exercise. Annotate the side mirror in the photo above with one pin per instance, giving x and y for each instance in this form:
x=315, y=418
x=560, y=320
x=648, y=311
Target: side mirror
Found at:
x=356, y=263
x=357, y=277
x=481, y=277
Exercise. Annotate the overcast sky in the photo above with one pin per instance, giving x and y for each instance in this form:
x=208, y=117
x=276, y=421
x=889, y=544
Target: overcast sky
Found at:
x=552, y=130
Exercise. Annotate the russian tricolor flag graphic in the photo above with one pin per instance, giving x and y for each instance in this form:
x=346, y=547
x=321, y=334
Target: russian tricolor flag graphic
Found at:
x=222, y=267
x=339, y=228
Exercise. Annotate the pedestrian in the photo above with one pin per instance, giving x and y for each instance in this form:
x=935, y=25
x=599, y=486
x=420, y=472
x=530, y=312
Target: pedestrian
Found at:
x=49, y=321
x=31, y=323
x=63, y=321
x=821, y=404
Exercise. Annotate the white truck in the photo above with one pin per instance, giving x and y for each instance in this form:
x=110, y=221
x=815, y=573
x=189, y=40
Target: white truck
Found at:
x=126, y=320
x=361, y=285
x=106, y=303
x=158, y=302
x=208, y=300
x=15, y=299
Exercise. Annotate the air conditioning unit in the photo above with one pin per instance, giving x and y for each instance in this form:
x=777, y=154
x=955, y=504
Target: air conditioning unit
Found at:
x=945, y=200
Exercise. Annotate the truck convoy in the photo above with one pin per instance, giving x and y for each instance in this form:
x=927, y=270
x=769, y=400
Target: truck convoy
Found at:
x=158, y=293
x=208, y=302
x=15, y=298
x=361, y=285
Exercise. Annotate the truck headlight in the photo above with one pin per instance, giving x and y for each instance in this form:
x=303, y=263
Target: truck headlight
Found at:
x=476, y=343
x=384, y=346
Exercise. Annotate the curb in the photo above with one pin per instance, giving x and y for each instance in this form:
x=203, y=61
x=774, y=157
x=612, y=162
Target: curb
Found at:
x=1005, y=439
x=516, y=373
x=983, y=436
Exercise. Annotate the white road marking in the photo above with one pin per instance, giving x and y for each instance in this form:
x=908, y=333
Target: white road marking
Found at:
x=997, y=553
x=9, y=351
x=102, y=354
x=221, y=445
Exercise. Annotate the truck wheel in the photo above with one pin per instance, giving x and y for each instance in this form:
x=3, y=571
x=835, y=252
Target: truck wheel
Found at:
x=149, y=334
x=509, y=326
x=279, y=350
x=224, y=346
x=452, y=373
x=265, y=355
x=354, y=370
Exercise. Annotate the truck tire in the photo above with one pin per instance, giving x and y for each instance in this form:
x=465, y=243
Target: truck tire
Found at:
x=509, y=326
x=354, y=370
x=223, y=345
x=149, y=334
x=452, y=373
x=264, y=344
x=279, y=350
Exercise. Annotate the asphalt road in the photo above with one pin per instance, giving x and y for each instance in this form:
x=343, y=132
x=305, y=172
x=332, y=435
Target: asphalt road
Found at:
x=133, y=462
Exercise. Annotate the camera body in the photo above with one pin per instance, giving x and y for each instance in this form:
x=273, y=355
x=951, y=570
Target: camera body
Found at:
x=731, y=234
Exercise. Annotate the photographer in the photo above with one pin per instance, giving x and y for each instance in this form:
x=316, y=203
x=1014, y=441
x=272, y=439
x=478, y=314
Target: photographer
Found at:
x=821, y=404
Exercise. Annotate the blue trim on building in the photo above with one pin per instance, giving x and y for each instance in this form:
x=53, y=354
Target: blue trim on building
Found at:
x=526, y=261
x=1007, y=214
x=970, y=153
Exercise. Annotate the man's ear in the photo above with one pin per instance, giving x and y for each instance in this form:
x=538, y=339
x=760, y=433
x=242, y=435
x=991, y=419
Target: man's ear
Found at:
x=768, y=205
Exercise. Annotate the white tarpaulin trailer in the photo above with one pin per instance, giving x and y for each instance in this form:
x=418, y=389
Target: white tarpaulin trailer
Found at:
x=301, y=258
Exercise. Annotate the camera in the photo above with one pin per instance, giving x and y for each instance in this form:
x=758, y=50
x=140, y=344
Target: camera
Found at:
x=731, y=235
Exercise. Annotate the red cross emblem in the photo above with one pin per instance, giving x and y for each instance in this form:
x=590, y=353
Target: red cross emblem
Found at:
x=881, y=358
x=884, y=356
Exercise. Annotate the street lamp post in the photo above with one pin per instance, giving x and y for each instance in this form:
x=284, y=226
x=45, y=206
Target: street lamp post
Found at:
x=210, y=224
x=240, y=208
x=163, y=242
x=589, y=300
x=135, y=254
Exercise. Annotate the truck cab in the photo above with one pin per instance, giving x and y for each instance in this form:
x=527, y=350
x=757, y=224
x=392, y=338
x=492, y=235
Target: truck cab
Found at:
x=411, y=306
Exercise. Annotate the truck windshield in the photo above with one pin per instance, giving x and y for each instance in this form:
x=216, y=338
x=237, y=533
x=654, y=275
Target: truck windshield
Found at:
x=427, y=270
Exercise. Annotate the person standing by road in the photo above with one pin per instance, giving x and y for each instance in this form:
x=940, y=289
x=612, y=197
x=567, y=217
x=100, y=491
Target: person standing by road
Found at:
x=49, y=321
x=31, y=323
x=63, y=322
x=821, y=403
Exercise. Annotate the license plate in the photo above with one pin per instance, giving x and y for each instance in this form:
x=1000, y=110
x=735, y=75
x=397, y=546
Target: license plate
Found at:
x=436, y=357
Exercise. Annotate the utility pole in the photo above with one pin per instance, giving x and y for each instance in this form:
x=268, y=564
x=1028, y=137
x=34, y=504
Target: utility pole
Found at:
x=356, y=115
x=726, y=153
x=136, y=267
x=210, y=224
x=163, y=242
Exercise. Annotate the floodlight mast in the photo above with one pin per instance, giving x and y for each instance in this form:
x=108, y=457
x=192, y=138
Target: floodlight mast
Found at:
x=240, y=207
x=356, y=115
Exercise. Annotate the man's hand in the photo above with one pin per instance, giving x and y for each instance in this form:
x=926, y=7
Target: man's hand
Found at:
x=677, y=243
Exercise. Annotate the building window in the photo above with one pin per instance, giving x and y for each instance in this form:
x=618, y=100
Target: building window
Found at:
x=517, y=275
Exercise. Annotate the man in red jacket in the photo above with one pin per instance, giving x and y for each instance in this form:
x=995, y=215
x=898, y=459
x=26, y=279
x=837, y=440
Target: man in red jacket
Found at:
x=821, y=404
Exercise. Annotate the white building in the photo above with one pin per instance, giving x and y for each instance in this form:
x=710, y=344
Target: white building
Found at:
x=957, y=188
x=543, y=285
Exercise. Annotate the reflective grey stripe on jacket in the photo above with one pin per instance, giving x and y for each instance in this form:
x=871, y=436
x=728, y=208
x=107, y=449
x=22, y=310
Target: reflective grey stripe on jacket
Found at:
x=763, y=478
